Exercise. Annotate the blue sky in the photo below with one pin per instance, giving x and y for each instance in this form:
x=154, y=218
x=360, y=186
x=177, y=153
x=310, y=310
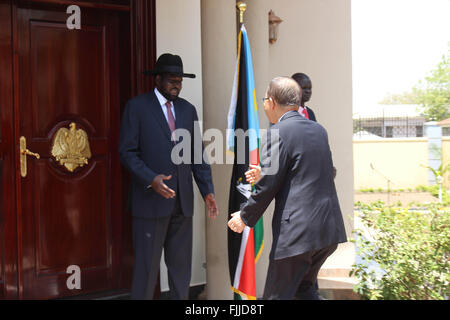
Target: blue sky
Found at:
x=395, y=44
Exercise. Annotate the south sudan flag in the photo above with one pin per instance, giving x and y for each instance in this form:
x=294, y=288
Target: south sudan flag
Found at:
x=243, y=249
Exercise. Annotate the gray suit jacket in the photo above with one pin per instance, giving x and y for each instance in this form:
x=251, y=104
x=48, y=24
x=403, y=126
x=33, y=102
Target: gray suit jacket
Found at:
x=145, y=149
x=307, y=215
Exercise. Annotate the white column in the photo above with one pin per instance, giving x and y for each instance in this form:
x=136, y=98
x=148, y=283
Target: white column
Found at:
x=218, y=60
x=434, y=135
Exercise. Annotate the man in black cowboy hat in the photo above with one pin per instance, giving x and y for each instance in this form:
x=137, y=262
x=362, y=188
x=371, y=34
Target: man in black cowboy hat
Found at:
x=161, y=194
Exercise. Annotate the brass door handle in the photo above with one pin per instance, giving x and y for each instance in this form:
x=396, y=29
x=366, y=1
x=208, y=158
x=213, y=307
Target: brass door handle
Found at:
x=29, y=153
x=24, y=152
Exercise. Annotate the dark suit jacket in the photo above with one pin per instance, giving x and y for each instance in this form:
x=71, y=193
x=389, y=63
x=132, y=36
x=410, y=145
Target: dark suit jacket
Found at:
x=307, y=215
x=311, y=114
x=145, y=150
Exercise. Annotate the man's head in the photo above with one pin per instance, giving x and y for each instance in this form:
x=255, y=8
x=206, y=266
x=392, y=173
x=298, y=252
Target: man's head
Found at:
x=169, y=85
x=283, y=95
x=169, y=75
x=305, y=83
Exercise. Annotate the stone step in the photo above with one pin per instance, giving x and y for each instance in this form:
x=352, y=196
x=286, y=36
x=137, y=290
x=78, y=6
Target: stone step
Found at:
x=334, y=272
x=336, y=282
x=334, y=278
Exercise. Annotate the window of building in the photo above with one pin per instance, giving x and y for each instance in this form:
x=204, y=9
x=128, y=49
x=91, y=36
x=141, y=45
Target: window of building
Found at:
x=389, y=131
x=446, y=131
x=419, y=131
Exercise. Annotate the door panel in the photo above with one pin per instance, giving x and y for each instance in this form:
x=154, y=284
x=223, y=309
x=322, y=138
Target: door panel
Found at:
x=65, y=233
x=67, y=217
x=62, y=88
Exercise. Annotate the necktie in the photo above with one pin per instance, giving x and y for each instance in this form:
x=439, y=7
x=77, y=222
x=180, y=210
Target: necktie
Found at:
x=171, y=119
x=305, y=113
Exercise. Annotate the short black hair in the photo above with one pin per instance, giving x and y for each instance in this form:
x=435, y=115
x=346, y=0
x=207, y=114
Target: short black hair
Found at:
x=299, y=77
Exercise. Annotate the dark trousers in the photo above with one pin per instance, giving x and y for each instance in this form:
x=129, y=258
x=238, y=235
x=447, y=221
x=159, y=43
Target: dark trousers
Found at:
x=150, y=236
x=288, y=276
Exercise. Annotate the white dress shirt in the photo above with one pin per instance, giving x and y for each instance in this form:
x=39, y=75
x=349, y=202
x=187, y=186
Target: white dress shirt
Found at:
x=300, y=110
x=162, y=101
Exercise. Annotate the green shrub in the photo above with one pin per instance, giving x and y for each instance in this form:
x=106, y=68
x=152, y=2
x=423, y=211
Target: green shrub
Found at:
x=411, y=249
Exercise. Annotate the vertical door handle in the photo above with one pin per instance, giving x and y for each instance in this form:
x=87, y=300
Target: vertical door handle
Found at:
x=24, y=152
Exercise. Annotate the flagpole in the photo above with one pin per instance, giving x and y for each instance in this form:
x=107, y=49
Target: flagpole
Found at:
x=241, y=6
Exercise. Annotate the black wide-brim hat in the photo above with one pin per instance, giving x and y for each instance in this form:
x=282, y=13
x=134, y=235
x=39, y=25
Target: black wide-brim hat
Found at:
x=169, y=63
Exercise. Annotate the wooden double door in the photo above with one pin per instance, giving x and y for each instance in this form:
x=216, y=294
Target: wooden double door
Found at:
x=64, y=229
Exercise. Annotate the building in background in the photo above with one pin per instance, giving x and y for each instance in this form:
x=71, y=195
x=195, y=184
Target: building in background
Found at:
x=393, y=121
x=445, y=125
x=395, y=147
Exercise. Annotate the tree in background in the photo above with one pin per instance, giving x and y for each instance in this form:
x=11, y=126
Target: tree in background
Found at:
x=432, y=93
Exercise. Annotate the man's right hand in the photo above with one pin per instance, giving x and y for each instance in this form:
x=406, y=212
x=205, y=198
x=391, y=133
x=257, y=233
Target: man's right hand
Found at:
x=254, y=174
x=235, y=223
x=160, y=187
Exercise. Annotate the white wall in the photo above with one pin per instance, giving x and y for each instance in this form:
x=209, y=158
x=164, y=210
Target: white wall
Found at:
x=178, y=31
x=403, y=161
x=315, y=38
x=219, y=58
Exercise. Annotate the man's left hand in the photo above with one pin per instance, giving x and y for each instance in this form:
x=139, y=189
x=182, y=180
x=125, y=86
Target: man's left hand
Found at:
x=236, y=224
x=213, y=210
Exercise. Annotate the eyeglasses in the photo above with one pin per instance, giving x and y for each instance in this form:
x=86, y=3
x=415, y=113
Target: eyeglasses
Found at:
x=264, y=99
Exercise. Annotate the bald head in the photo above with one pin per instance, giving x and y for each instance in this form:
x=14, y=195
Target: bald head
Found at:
x=285, y=91
x=283, y=95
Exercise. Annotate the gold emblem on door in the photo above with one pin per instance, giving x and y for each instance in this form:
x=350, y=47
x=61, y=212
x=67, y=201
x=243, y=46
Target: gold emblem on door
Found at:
x=71, y=147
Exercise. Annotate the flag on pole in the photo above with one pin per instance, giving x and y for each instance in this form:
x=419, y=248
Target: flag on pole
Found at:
x=243, y=249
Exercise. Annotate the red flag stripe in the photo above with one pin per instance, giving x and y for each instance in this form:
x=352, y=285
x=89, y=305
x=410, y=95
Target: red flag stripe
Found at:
x=247, y=282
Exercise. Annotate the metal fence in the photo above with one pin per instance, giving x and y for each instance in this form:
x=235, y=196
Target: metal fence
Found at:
x=389, y=127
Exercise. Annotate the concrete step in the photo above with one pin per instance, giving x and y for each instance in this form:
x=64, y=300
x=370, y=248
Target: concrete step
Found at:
x=334, y=278
x=337, y=287
x=334, y=272
x=336, y=282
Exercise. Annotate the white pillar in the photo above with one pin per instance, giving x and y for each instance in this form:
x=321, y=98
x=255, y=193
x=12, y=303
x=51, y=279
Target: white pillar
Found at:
x=219, y=53
x=218, y=60
x=434, y=135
